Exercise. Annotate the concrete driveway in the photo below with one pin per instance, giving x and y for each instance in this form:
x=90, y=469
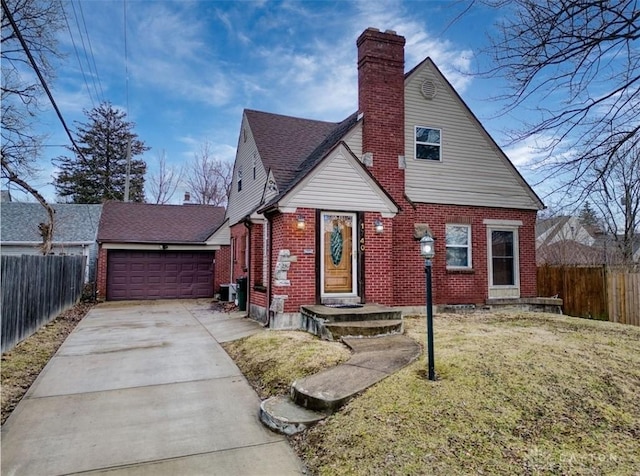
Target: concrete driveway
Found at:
x=145, y=389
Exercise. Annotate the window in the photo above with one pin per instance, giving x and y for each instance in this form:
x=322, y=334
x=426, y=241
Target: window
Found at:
x=428, y=143
x=239, y=180
x=255, y=166
x=458, y=240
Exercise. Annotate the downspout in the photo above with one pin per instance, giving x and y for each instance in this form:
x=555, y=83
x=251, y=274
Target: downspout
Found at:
x=248, y=225
x=270, y=269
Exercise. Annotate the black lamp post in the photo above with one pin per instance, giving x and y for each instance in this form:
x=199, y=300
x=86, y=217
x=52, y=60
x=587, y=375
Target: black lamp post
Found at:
x=427, y=251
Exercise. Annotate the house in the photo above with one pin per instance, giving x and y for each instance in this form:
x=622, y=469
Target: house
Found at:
x=564, y=240
x=161, y=251
x=331, y=213
x=75, y=230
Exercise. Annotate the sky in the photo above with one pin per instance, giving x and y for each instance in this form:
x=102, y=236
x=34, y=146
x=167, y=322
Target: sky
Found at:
x=183, y=71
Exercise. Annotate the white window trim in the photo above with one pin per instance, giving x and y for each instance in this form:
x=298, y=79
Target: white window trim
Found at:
x=516, y=254
x=468, y=246
x=415, y=143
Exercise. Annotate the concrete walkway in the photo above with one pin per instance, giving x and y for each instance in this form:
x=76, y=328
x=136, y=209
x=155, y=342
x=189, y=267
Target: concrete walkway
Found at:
x=145, y=389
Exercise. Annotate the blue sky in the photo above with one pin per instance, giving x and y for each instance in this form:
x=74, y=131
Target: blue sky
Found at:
x=193, y=66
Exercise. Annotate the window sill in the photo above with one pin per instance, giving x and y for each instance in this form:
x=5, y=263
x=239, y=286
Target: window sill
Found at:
x=461, y=271
x=260, y=288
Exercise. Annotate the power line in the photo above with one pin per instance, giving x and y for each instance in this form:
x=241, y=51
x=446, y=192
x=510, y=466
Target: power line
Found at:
x=25, y=47
x=126, y=54
x=75, y=48
x=93, y=58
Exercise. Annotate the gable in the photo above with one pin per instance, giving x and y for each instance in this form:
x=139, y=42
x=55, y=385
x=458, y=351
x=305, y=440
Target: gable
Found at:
x=473, y=170
x=244, y=201
x=340, y=182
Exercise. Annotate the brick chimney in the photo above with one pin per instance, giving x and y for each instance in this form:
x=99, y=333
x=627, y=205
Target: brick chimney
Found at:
x=381, y=101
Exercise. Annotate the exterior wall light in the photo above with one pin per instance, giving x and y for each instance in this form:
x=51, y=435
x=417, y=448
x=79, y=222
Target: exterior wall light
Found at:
x=301, y=224
x=378, y=226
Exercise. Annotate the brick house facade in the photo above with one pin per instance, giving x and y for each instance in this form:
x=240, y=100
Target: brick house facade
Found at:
x=335, y=210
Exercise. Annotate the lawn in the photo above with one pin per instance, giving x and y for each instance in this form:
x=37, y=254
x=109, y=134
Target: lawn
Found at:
x=518, y=393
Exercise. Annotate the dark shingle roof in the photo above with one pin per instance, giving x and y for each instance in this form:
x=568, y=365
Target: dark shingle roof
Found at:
x=148, y=223
x=73, y=223
x=285, y=142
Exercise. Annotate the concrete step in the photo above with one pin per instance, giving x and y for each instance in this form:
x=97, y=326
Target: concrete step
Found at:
x=374, y=359
x=366, y=312
x=364, y=328
x=282, y=415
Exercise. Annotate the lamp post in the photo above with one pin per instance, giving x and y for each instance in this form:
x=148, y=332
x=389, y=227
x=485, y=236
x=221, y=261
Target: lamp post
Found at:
x=427, y=251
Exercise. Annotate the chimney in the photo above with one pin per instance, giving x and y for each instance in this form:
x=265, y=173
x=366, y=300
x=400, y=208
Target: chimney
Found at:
x=381, y=101
x=187, y=198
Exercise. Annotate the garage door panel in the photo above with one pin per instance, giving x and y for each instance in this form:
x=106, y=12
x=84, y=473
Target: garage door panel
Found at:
x=159, y=275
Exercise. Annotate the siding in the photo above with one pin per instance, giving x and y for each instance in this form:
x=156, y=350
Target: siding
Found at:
x=472, y=171
x=339, y=184
x=354, y=140
x=244, y=202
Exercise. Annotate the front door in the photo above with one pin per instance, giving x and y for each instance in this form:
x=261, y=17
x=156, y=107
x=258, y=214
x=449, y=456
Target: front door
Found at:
x=337, y=244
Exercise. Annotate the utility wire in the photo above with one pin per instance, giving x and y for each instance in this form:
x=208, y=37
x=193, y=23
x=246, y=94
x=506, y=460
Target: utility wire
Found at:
x=126, y=54
x=40, y=77
x=75, y=48
x=84, y=48
x=93, y=57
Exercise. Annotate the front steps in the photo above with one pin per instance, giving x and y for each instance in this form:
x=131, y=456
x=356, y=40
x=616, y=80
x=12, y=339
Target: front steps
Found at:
x=315, y=397
x=334, y=323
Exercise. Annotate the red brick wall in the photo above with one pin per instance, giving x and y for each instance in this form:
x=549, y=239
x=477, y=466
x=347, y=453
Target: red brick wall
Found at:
x=101, y=274
x=222, y=268
x=378, y=261
x=239, y=235
x=455, y=287
x=257, y=296
x=302, y=272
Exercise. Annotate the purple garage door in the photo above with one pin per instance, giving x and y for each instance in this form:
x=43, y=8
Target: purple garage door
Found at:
x=159, y=274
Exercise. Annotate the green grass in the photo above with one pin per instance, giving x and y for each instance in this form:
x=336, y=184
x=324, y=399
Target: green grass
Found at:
x=517, y=394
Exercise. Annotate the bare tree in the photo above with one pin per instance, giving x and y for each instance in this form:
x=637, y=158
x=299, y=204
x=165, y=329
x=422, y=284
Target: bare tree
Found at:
x=208, y=178
x=575, y=65
x=616, y=194
x=164, y=182
x=37, y=22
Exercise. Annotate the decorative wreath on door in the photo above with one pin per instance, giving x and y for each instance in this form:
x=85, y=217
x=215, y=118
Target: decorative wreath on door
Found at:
x=336, y=244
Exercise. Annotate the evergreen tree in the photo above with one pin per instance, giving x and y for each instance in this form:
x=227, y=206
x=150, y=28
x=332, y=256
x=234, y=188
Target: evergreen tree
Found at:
x=589, y=217
x=97, y=172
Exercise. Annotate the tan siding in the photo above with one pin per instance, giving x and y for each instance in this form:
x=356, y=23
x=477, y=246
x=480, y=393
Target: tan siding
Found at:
x=354, y=140
x=339, y=185
x=472, y=171
x=243, y=202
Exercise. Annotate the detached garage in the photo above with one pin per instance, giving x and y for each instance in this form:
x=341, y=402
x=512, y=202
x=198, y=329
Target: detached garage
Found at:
x=159, y=251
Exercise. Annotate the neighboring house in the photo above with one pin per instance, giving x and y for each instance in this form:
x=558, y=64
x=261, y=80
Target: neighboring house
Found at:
x=563, y=240
x=323, y=212
x=161, y=251
x=75, y=229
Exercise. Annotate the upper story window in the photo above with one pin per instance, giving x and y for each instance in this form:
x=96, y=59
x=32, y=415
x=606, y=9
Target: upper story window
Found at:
x=255, y=165
x=428, y=143
x=239, y=180
x=458, y=238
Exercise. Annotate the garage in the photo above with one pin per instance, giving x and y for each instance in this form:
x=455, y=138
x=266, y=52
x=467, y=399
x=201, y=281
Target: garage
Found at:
x=159, y=274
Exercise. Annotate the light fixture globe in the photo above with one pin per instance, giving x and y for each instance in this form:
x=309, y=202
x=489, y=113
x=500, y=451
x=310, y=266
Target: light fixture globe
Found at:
x=427, y=250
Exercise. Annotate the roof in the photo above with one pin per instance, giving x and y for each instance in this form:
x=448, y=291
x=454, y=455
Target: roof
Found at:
x=73, y=223
x=284, y=142
x=329, y=142
x=149, y=223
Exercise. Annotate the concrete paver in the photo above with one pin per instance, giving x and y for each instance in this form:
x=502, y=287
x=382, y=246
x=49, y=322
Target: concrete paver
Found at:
x=141, y=389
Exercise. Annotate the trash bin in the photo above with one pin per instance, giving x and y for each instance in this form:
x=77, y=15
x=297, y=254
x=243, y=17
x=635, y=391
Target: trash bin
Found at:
x=242, y=293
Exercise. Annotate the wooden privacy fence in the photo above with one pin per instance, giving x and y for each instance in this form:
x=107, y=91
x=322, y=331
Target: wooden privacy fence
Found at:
x=35, y=289
x=582, y=290
x=623, y=289
x=595, y=292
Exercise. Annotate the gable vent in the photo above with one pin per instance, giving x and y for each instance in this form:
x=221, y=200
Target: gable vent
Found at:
x=428, y=89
